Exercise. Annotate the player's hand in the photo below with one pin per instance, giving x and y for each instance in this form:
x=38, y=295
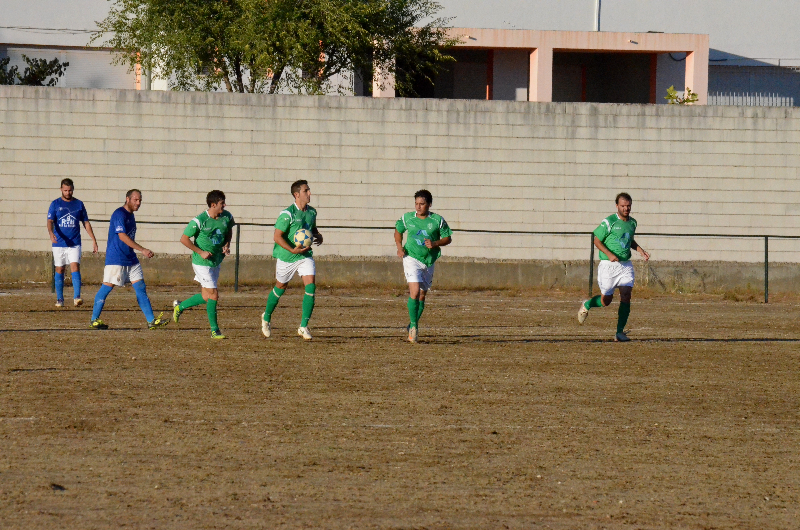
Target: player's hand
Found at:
x=429, y=243
x=205, y=254
x=300, y=250
x=147, y=253
x=95, y=250
x=53, y=238
x=226, y=250
x=401, y=253
x=317, y=238
x=612, y=258
x=644, y=253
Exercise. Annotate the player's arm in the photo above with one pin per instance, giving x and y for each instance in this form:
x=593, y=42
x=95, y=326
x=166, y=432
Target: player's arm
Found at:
x=50, y=227
x=602, y=248
x=134, y=245
x=317, y=235
x=398, y=241
x=281, y=241
x=226, y=246
x=635, y=246
x=88, y=226
x=186, y=242
x=438, y=243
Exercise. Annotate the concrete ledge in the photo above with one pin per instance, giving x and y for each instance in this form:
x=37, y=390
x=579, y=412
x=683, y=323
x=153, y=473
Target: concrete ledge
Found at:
x=18, y=266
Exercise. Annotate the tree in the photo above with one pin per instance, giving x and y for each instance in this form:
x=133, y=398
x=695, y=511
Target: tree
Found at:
x=272, y=45
x=673, y=98
x=36, y=73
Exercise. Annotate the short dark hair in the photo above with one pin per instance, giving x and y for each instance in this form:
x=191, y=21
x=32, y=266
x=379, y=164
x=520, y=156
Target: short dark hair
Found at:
x=67, y=182
x=214, y=196
x=623, y=195
x=297, y=185
x=131, y=192
x=425, y=194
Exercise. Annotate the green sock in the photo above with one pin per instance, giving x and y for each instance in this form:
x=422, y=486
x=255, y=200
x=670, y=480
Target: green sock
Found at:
x=191, y=302
x=413, y=311
x=595, y=301
x=308, y=304
x=624, y=311
x=211, y=309
x=272, y=302
x=421, y=309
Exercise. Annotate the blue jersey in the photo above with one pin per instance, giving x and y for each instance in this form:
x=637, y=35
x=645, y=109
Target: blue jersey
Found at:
x=67, y=218
x=117, y=252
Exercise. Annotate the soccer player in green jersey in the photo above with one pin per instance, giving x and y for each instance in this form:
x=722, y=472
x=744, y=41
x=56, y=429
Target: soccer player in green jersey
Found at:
x=427, y=233
x=211, y=231
x=614, y=239
x=293, y=259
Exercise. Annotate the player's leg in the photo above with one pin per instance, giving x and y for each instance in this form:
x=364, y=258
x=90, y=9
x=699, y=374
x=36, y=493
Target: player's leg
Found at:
x=424, y=287
x=136, y=277
x=308, y=273
x=414, y=292
x=202, y=275
x=211, y=296
x=111, y=277
x=606, y=282
x=74, y=257
x=283, y=273
x=624, y=312
x=59, y=260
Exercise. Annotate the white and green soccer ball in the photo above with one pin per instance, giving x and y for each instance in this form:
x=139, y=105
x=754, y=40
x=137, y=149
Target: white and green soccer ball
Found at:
x=303, y=238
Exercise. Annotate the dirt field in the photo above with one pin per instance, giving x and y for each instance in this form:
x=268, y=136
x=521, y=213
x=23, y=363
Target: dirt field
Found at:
x=506, y=415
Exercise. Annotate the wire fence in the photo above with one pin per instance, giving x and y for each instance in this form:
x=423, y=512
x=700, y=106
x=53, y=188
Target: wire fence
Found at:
x=238, y=232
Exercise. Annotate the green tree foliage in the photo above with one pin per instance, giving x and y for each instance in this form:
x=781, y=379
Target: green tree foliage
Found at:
x=673, y=98
x=39, y=72
x=272, y=45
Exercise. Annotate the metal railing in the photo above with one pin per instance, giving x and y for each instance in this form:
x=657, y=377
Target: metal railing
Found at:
x=237, y=237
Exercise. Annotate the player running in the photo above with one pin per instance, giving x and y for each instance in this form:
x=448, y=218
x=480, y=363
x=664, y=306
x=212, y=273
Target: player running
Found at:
x=614, y=239
x=122, y=265
x=63, y=223
x=427, y=232
x=212, y=232
x=294, y=259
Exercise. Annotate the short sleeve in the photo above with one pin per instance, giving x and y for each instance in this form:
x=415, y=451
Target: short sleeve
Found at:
x=118, y=222
x=232, y=222
x=602, y=231
x=51, y=212
x=192, y=229
x=400, y=225
x=444, y=229
x=283, y=222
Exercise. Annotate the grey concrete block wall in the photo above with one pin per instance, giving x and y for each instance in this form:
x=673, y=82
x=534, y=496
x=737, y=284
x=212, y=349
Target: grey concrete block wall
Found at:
x=491, y=165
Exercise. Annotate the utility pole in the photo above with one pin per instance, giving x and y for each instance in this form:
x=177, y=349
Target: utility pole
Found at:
x=597, y=15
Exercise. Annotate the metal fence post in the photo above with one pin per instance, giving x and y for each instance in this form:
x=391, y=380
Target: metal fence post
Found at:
x=591, y=263
x=236, y=269
x=766, y=269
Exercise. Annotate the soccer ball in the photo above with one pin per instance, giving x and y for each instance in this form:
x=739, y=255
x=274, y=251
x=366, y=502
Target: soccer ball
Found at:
x=303, y=238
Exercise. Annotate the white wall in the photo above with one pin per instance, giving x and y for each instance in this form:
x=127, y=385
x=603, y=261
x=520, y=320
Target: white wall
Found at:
x=491, y=165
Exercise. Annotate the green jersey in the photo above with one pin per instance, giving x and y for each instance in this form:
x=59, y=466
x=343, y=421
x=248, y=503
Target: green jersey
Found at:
x=617, y=236
x=210, y=235
x=433, y=227
x=290, y=221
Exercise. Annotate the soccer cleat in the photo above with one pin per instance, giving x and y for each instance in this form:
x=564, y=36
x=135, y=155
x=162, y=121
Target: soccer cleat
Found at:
x=59, y=303
x=99, y=324
x=157, y=322
x=303, y=332
x=217, y=334
x=77, y=302
x=266, y=328
x=621, y=337
x=176, y=311
x=412, y=334
x=582, y=314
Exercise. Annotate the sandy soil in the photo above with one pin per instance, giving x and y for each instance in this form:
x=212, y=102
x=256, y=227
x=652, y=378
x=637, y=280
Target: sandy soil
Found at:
x=508, y=414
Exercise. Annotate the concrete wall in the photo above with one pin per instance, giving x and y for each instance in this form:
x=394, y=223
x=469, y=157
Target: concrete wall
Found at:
x=491, y=165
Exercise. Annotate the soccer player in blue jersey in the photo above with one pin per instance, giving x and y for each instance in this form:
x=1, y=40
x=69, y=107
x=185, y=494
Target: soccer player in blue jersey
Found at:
x=64, y=218
x=122, y=265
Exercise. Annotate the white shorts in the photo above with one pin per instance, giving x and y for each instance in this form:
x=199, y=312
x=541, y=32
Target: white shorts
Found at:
x=66, y=255
x=285, y=271
x=418, y=272
x=613, y=274
x=207, y=277
x=122, y=274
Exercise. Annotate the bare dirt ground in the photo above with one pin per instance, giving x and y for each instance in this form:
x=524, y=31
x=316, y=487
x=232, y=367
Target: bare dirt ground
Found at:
x=508, y=414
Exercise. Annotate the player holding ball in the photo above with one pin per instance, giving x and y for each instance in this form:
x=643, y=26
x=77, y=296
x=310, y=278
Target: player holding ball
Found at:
x=294, y=257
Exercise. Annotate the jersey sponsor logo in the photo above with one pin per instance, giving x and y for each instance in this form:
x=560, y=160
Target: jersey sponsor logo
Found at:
x=68, y=221
x=216, y=238
x=424, y=235
x=625, y=241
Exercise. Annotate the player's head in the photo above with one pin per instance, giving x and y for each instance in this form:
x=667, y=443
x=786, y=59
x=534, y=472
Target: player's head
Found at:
x=422, y=202
x=133, y=200
x=301, y=192
x=214, y=197
x=67, y=188
x=624, y=202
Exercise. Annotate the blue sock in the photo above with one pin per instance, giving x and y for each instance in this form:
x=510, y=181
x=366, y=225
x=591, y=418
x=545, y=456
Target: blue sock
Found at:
x=144, y=301
x=76, y=284
x=59, y=286
x=100, y=300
